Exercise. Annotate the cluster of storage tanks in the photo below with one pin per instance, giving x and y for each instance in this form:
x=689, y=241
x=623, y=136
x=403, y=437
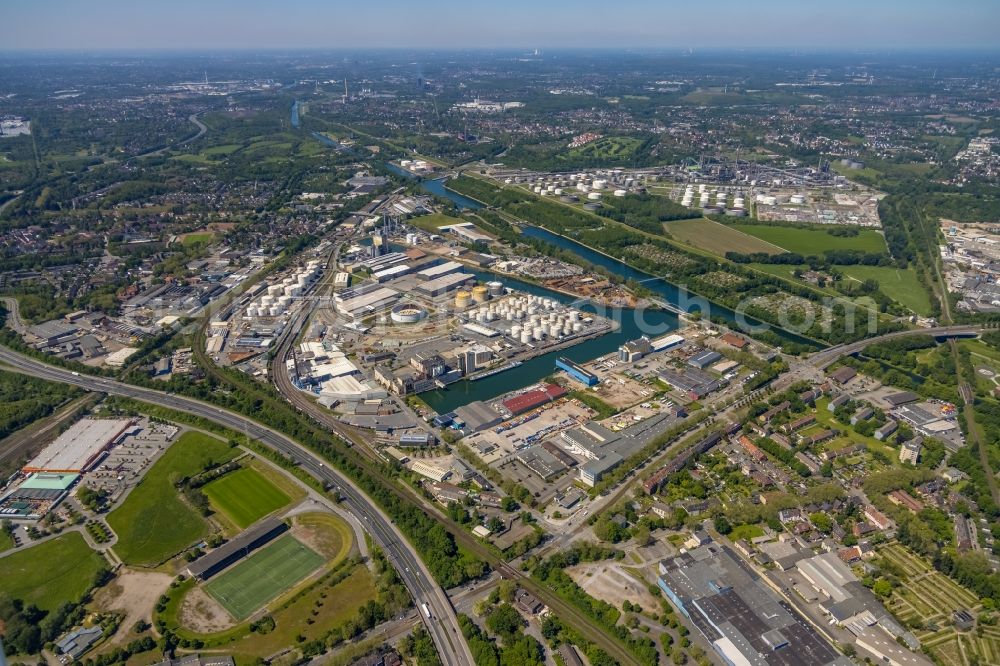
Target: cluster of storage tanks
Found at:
x=412, y=239
x=720, y=197
x=772, y=200
x=582, y=182
x=537, y=318
x=278, y=297
x=479, y=294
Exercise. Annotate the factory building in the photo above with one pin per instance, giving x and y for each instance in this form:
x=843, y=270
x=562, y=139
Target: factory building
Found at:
x=440, y=270
x=445, y=283
x=532, y=399
x=366, y=303
x=577, y=372
x=739, y=616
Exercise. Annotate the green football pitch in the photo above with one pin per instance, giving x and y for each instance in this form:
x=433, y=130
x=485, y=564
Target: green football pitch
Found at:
x=248, y=585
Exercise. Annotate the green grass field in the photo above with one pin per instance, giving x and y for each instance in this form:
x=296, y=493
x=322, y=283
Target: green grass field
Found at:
x=51, y=573
x=434, y=221
x=5, y=541
x=247, y=586
x=153, y=524
x=813, y=241
x=245, y=496
x=199, y=237
x=901, y=285
x=717, y=238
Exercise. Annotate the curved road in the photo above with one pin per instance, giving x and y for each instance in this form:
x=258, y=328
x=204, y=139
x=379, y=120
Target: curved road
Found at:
x=827, y=357
x=202, y=128
x=443, y=623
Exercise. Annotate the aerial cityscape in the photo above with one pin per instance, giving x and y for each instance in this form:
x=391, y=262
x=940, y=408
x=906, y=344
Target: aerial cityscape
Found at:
x=644, y=335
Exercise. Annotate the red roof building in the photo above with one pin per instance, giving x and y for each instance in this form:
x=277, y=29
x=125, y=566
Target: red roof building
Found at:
x=532, y=399
x=751, y=448
x=734, y=340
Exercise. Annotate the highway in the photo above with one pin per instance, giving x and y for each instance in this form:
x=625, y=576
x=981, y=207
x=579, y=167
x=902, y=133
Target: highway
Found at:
x=443, y=623
x=827, y=357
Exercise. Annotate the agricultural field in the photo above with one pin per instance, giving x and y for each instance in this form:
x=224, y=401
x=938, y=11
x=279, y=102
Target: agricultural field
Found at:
x=245, y=496
x=927, y=598
x=154, y=523
x=717, y=238
x=901, y=285
x=277, y=567
x=813, y=240
x=52, y=573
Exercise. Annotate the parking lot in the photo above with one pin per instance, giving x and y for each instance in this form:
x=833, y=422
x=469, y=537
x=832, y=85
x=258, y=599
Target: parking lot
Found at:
x=127, y=462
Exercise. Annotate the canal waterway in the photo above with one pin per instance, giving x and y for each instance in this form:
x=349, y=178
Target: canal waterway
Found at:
x=632, y=323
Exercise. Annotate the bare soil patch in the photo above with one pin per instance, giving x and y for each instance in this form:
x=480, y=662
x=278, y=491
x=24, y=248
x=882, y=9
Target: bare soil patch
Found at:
x=134, y=593
x=203, y=614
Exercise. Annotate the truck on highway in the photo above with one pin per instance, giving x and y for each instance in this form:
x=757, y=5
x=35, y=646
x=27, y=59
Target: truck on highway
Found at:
x=426, y=609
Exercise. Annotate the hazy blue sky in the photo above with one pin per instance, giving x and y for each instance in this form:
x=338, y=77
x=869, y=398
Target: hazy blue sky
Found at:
x=227, y=24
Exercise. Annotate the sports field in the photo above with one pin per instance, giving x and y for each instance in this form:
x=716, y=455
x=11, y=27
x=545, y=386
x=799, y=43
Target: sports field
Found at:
x=247, y=586
x=154, y=524
x=51, y=573
x=717, y=238
x=245, y=496
x=815, y=240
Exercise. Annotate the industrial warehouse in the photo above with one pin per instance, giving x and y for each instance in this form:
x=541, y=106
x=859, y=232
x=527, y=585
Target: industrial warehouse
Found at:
x=738, y=614
x=76, y=450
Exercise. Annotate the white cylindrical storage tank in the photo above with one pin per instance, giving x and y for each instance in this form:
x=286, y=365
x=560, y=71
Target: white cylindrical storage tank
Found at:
x=557, y=191
x=577, y=327
x=554, y=331
x=274, y=290
x=538, y=333
x=267, y=300
x=274, y=311
x=798, y=199
x=495, y=287
x=251, y=311
x=525, y=337
x=620, y=193
x=702, y=188
x=538, y=190
x=600, y=184
x=574, y=315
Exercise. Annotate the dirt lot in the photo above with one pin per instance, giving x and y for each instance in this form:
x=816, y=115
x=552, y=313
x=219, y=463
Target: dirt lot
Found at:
x=203, y=614
x=616, y=389
x=135, y=593
x=608, y=582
